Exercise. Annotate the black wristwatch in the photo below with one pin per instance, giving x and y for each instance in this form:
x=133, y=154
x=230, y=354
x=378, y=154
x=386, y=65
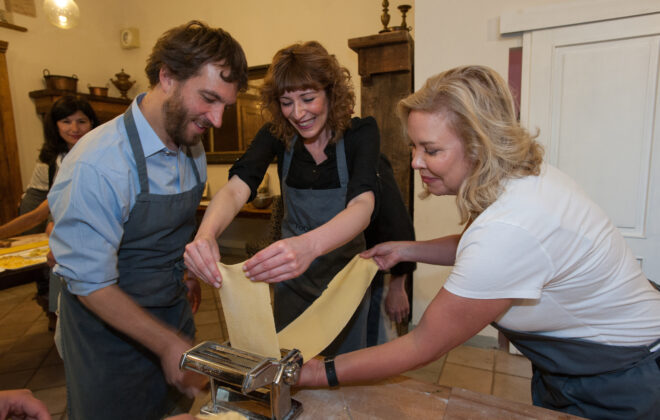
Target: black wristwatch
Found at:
x=330, y=371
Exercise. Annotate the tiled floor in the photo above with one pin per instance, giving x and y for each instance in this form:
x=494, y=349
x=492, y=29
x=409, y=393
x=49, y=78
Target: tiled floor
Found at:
x=28, y=358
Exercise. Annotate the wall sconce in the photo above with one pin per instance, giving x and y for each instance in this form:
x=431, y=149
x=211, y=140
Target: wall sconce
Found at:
x=62, y=13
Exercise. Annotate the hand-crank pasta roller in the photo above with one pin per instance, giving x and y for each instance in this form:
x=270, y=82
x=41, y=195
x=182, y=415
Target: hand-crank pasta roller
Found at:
x=255, y=386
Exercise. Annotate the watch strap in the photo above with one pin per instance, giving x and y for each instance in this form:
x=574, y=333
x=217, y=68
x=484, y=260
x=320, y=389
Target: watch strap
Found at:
x=330, y=372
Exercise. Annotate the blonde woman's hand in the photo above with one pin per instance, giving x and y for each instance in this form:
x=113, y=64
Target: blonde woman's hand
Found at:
x=386, y=254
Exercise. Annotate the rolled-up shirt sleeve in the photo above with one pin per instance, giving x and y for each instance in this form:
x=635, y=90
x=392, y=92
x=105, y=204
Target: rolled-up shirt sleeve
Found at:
x=90, y=213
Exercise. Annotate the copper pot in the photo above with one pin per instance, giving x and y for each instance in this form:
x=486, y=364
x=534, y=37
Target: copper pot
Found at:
x=56, y=82
x=98, y=90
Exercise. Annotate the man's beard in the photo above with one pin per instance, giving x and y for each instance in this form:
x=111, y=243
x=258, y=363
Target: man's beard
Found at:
x=176, y=121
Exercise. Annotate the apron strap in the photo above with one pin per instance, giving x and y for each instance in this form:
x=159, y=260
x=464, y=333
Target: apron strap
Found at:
x=138, y=151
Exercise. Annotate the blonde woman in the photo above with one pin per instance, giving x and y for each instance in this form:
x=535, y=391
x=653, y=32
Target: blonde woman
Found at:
x=538, y=259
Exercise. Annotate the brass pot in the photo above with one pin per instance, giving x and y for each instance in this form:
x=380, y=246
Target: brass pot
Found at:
x=98, y=90
x=56, y=82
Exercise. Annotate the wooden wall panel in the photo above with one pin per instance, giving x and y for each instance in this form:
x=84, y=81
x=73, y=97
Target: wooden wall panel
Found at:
x=11, y=186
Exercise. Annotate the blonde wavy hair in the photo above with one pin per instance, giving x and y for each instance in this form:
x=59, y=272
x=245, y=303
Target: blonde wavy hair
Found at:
x=480, y=109
x=307, y=66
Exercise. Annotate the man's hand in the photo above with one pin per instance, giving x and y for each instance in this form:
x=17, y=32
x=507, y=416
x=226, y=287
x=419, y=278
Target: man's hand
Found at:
x=201, y=257
x=186, y=381
x=20, y=403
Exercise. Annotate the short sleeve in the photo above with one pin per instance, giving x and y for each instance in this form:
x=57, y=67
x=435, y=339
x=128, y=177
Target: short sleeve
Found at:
x=499, y=260
x=363, y=151
x=252, y=165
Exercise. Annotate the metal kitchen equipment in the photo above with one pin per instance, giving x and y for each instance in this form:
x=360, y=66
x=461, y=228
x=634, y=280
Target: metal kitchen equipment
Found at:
x=57, y=82
x=255, y=386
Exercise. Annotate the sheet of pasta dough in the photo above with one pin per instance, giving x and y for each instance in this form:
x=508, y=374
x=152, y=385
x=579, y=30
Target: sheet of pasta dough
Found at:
x=251, y=325
x=248, y=312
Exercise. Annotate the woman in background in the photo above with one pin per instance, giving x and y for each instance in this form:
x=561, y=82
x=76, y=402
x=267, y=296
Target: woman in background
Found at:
x=538, y=259
x=327, y=164
x=67, y=121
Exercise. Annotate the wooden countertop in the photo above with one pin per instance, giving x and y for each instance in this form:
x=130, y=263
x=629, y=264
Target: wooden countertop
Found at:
x=406, y=398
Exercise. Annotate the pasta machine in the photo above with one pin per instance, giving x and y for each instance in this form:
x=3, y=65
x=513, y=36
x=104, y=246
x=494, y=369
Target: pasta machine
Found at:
x=255, y=386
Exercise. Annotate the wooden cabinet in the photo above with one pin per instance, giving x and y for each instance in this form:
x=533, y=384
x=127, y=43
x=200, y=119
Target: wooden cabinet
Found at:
x=10, y=171
x=106, y=107
x=385, y=65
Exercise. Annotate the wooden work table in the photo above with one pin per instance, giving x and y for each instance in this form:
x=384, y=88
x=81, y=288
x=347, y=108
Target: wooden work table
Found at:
x=406, y=398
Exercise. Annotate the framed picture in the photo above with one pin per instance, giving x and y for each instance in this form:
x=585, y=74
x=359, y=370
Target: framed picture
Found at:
x=240, y=123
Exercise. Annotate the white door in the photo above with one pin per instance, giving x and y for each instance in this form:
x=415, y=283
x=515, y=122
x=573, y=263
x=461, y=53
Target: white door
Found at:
x=592, y=91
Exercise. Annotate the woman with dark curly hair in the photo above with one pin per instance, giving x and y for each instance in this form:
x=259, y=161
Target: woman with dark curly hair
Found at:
x=327, y=166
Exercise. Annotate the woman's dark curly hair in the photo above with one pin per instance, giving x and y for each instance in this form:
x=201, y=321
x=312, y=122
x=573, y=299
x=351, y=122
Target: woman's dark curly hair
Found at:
x=54, y=144
x=307, y=66
x=183, y=50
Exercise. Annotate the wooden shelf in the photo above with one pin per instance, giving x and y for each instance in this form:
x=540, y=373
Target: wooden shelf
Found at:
x=106, y=107
x=12, y=26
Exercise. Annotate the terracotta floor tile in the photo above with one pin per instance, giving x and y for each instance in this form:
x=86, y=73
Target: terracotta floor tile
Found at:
x=54, y=398
x=207, y=305
x=473, y=357
x=47, y=377
x=14, y=380
x=15, y=330
x=474, y=379
x=430, y=372
x=206, y=332
x=39, y=326
x=206, y=317
x=53, y=358
x=512, y=364
x=513, y=388
x=16, y=361
x=39, y=341
x=24, y=315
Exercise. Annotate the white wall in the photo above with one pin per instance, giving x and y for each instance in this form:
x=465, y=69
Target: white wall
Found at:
x=92, y=50
x=450, y=33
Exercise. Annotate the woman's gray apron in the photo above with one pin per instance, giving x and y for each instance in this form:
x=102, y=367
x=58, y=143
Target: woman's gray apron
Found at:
x=304, y=210
x=590, y=379
x=109, y=375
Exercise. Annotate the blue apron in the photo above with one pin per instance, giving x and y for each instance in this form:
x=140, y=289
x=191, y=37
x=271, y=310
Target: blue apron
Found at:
x=305, y=210
x=590, y=379
x=109, y=375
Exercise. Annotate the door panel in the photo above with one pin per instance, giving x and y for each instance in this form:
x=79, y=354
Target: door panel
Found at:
x=592, y=91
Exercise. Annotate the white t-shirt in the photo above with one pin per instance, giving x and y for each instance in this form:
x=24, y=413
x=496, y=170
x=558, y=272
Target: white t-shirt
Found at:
x=39, y=179
x=546, y=244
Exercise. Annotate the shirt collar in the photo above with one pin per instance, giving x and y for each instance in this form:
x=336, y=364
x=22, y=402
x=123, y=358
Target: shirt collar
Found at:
x=151, y=143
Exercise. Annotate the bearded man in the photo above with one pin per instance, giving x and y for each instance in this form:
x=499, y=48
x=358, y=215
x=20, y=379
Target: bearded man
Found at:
x=124, y=206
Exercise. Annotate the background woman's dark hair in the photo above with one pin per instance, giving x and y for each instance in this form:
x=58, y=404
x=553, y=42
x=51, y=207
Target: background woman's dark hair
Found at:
x=307, y=66
x=183, y=50
x=54, y=144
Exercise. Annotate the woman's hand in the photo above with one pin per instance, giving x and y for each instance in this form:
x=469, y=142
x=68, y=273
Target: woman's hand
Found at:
x=201, y=257
x=194, y=293
x=396, y=301
x=313, y=374
x=387, y=254
x=283, y=260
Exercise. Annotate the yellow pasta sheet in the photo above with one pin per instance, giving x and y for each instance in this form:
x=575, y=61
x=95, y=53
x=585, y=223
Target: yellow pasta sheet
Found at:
x=249, y=315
